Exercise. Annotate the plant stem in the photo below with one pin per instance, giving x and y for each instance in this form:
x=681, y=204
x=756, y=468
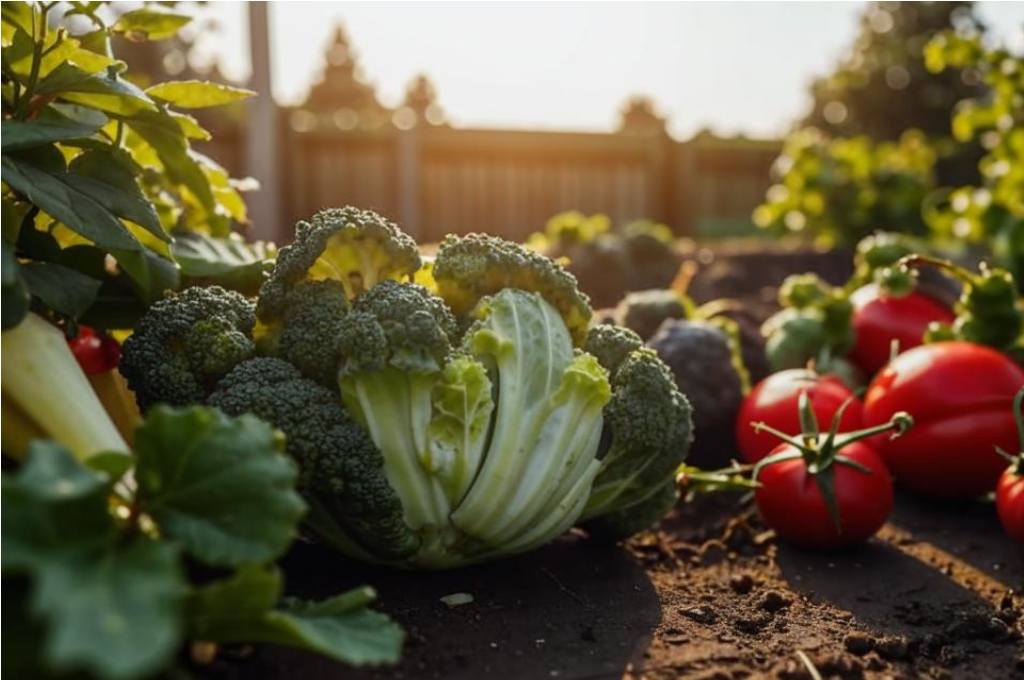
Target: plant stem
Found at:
x=37, y=60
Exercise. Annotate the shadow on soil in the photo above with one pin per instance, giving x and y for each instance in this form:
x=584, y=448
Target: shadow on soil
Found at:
x=572, y=610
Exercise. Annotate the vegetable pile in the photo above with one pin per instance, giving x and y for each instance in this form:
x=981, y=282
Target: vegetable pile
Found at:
x=471, y=415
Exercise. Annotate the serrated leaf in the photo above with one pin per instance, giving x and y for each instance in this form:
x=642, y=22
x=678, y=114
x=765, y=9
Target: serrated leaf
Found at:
x=220, y=486
x=242, y=609
x=101, y=91
x=52, y=506
x=151, y=275
x=151, y=24
x=18, y=134
x=127, y=200
x=78, y=202
x=229, y=262
x=117, y=613
x=191, y=127
x=63, y=290
x=198, y=94
x=163, y=134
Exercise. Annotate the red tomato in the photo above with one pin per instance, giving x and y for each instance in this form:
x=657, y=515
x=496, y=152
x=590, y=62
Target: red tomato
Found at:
x=878, y=319
x=95, y=353
x=960, y=396
x=774, y=402
x=791, y=503
x=1010, y=503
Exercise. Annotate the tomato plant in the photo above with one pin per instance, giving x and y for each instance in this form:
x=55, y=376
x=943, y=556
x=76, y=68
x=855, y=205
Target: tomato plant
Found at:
x=959, y=394
x=878, y=319
x=825, y=491
x=774, y=401
x=1010, y=488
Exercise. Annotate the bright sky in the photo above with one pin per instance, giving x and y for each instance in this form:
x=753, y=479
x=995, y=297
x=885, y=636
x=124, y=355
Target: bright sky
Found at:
x=729, y=66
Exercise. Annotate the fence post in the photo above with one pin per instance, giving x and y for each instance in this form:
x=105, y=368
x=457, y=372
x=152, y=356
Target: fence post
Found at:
x=409, y=178
x=261, y=158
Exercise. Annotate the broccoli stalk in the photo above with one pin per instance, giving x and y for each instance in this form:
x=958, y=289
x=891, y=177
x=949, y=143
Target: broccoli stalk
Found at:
x=396, y=342
x=549, y=407
x=47, y=395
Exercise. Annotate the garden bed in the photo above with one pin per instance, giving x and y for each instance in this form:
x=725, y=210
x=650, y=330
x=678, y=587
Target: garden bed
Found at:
x=712, y=594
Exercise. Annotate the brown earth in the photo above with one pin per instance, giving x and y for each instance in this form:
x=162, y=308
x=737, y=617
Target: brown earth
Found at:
x=711, y=594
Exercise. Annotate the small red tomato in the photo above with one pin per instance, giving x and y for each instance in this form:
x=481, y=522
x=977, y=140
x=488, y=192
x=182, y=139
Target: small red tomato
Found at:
x=96, y=353
x=790, y=500
x=773, y=401
x=960, y=395
x=878, y=319
x=1010, y=503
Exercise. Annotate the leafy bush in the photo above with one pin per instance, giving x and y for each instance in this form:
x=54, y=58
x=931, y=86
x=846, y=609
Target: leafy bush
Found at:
x=99, y=177
x=840, y=190
x=606, y=261
x=992, y=214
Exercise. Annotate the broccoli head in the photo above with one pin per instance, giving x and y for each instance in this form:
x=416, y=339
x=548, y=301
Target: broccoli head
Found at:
x=469, y=268
x=648, y=425
x=185, y=343
x=307, y=332
x=357, y=248
x=341, y=470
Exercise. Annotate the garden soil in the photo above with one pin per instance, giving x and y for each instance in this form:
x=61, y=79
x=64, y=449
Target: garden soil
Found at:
x=939, y=593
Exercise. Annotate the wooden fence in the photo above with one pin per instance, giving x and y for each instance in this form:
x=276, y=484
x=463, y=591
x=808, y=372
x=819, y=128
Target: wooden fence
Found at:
x=437, y=179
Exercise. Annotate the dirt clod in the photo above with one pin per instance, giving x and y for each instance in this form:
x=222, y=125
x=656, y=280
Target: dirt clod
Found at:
x=772, y=601
x=741, y=583
x=858, y=643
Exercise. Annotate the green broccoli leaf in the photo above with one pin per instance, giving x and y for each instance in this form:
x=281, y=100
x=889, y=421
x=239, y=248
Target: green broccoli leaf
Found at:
x=242, y=609
x=110, y=607
x=229, y=262
x=220, y=486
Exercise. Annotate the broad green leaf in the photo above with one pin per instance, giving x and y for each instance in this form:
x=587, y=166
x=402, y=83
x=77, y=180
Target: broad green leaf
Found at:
x=79, y=202
x=63, y=290
x=111, y=607
x=220, y=486
x=18, y=134
x=116, y=613
x=113, y=464
x=114, y=170
x=191, y=127
x=102, y=91
x=151, y=275
x=239, y=610
x=229, y=261
x=150, y=24
x=16, y=15
x=52, y=506
x=164, y=135
x=216, y=612
x=197, y=94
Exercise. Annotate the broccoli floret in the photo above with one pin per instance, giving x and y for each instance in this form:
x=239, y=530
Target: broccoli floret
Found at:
x=469, y=268
x=645, y=310
x=185, y=343
x=547, y=423
x=649, y=430
x=307, y=332
x=611, y=345
x=342, y=471
x=395, y=343
x=358, y=248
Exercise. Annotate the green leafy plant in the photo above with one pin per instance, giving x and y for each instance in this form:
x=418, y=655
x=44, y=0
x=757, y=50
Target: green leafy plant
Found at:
x=992, y=214
x=99, y=556
x=837, y=191
x=99, y=177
